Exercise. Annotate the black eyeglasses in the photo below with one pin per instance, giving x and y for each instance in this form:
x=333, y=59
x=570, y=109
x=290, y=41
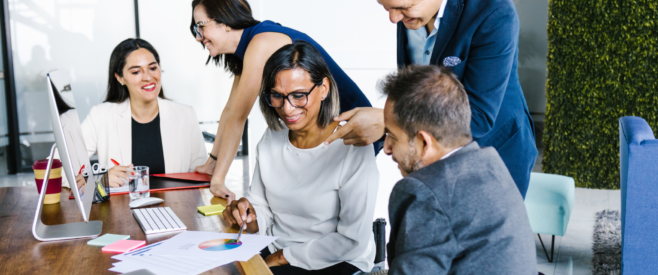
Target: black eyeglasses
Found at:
x=296, y=99
x=196, y=28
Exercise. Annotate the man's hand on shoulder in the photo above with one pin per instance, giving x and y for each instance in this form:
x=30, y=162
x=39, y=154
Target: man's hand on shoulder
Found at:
x=364, y=126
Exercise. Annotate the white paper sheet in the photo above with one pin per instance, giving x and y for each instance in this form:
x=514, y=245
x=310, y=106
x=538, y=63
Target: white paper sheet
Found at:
x=130, y=266
x=186, y=244
x=167, y=265
x=181, y=254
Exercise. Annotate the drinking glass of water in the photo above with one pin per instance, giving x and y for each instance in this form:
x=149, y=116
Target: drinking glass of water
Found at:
x=138, y=182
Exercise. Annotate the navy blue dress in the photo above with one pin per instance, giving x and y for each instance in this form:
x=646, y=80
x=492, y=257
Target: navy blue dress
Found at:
x=350, y=95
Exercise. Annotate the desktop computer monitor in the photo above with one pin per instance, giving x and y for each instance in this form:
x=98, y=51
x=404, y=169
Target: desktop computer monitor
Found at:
x=68, y=137
x=72, y=153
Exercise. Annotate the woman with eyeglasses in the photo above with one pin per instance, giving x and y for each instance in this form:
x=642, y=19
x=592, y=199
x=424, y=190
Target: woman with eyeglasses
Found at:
x=233, y=37
x=317, y=199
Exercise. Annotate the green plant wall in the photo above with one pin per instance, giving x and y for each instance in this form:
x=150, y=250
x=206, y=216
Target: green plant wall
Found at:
x=602, y=65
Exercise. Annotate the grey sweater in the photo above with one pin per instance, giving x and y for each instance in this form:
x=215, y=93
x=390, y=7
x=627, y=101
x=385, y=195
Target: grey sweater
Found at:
x=460, y=215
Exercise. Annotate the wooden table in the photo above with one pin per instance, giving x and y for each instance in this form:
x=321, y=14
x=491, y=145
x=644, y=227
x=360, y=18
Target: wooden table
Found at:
x=21, y=253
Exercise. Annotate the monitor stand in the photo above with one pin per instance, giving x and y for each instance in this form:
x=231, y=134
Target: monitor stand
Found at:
x=46, y=233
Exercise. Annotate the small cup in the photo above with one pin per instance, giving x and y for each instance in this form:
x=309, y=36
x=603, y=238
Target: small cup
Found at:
x=54, y=182
x=138, y=182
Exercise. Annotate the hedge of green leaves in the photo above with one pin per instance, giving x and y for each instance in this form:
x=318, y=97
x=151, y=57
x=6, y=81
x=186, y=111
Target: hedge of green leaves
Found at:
x=602, y=65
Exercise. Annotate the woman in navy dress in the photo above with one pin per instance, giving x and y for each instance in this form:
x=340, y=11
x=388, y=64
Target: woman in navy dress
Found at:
x=233, y=37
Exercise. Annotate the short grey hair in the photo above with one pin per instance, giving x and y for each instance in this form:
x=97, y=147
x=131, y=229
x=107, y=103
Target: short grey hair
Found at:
x=302, y=55
x=430, y=98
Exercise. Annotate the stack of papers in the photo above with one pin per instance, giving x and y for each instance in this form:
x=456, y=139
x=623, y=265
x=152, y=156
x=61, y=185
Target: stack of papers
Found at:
x=191, y=252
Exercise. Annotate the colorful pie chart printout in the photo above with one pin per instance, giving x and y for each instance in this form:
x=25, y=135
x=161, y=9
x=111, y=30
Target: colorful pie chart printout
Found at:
x=219, y=245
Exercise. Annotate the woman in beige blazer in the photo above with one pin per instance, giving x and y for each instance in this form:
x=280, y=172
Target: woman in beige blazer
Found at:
x=127, y=122
x=107, y=132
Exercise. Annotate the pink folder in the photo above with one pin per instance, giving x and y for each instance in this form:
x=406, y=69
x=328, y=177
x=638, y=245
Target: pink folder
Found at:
x=123, y=246
x=191, y=176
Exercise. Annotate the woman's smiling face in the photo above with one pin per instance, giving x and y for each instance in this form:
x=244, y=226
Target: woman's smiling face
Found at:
x=141, y=75
x=213, y=34
x=294, y=81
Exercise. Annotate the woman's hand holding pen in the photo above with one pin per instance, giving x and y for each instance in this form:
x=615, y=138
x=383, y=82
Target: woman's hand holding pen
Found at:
x=80, y=179
x=117, y=175
x=236, y=213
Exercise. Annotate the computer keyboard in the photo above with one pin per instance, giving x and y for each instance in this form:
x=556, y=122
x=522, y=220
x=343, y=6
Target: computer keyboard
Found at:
x=158, y=220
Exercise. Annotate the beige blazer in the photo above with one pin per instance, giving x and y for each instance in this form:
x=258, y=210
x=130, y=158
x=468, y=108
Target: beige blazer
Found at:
x=107, y=131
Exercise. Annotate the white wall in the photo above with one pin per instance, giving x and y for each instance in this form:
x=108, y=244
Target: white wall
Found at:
x=77, y=36
x=366, y=52
x=186, y=78
x=356, y=33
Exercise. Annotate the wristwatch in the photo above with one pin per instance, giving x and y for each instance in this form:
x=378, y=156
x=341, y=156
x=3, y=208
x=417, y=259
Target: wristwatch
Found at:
x=212, y=157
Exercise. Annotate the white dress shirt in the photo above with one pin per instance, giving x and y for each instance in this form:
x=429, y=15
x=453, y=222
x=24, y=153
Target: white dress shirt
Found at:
x=420, y=44
x=451, y=152
x=320, y=202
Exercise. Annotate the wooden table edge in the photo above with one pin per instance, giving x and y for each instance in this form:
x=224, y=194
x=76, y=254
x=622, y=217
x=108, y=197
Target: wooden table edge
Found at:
x=256, y=265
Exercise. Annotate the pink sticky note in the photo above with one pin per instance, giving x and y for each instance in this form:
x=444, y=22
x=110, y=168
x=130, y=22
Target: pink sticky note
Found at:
x=123, y=246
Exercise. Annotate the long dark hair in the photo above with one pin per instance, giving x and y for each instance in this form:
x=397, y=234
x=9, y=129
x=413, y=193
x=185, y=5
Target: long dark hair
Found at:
x=117, y=93
x=302, y=55
x=233, y=13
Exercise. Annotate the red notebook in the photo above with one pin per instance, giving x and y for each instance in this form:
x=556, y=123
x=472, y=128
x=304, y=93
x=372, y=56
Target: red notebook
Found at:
x=193, y=176
x=158, y=184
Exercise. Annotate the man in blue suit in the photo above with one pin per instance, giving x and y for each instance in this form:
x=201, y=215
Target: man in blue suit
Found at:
x=478, y=41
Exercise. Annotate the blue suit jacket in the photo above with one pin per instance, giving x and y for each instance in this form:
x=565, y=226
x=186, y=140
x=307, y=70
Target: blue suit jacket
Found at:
x=484, y=34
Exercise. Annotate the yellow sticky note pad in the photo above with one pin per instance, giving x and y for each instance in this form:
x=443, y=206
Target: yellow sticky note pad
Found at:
x=209, y=210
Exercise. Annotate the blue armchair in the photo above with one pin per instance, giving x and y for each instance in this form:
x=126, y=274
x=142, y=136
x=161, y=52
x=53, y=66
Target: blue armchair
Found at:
x=638, y=157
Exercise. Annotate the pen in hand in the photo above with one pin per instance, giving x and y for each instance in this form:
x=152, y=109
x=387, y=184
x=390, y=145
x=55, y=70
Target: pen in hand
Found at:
x=116, y=163
x=244, y=224
x=71, y=192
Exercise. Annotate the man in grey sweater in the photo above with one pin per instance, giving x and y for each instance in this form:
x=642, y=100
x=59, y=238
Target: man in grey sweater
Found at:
x=457, y=211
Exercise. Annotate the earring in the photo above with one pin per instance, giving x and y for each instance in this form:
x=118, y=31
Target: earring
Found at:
x=228, y=29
